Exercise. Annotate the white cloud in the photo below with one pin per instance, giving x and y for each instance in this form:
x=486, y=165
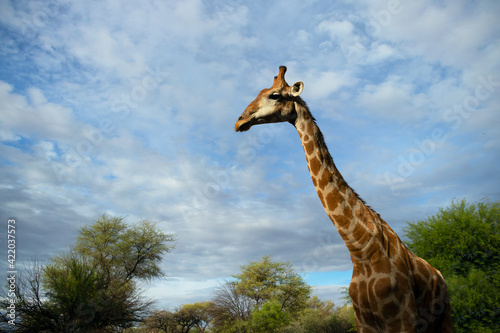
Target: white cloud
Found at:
x=392, y=99
x=439, y=32
x=108, y=50
x=322, y=84
x=35, y=117
x=380, y=52
x=6, y=135
x=175, y=291
x=336, y=29
x=333, y=292
x=302, y=37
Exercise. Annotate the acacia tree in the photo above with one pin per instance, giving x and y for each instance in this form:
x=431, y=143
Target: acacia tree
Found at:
x=230, y=308
x=185, y=318
x=270, y=317
x=323, y=316
x=267, y=280
x=125, y=252
x=161, y=321
x=463, y=242
x=93, y=286
x=200, y=314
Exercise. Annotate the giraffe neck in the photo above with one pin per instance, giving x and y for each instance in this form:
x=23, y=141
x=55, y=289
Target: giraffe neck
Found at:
x=356, y=223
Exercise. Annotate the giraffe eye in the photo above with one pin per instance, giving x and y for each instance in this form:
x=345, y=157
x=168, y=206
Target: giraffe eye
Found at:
x=275, y=96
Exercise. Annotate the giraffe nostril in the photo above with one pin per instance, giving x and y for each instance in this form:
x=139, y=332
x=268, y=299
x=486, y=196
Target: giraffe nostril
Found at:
x=240, y=118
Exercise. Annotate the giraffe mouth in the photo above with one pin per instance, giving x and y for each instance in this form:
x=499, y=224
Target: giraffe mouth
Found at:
x=243, y=125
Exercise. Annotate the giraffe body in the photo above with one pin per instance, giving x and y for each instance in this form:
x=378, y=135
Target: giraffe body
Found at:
x=392, y=289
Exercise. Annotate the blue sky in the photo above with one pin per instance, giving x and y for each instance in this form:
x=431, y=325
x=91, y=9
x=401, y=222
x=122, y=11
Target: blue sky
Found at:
x=129, y=107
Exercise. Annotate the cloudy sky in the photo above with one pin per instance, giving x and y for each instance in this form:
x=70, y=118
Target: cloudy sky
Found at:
x=128, y=108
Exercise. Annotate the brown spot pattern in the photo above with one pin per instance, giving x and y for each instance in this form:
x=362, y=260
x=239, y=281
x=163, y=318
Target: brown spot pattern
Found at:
x=309, y=147
x=382, y=287
x=325, y=179
x=333, y=199
x=389, y=283
x=315, y=165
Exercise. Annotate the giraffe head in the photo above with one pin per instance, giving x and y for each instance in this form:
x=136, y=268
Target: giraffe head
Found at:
x=272, y=105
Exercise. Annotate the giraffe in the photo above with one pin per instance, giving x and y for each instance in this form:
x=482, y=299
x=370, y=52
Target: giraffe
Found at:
x=392, y=290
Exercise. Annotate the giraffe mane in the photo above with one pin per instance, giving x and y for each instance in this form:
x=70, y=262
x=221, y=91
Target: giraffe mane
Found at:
x=321, y=141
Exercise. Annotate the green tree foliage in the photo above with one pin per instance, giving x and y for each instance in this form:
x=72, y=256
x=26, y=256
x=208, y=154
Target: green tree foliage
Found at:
x=232, y=310
x=323, y=317
x=194, y=317
x=124, y=252
x=267, y=280
x=160, y=321
x=324, y=307
x=270, y=317
x=463, y=242
x=238, y=301
x=269, y=296
x=93, y=286
x=203, y=312
x=85, y=299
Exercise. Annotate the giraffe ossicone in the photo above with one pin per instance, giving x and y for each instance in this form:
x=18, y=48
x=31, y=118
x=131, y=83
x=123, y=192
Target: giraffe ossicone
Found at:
x=392, y=290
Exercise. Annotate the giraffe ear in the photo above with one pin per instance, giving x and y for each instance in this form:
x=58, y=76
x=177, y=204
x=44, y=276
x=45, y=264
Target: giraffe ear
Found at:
x=296, y=89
